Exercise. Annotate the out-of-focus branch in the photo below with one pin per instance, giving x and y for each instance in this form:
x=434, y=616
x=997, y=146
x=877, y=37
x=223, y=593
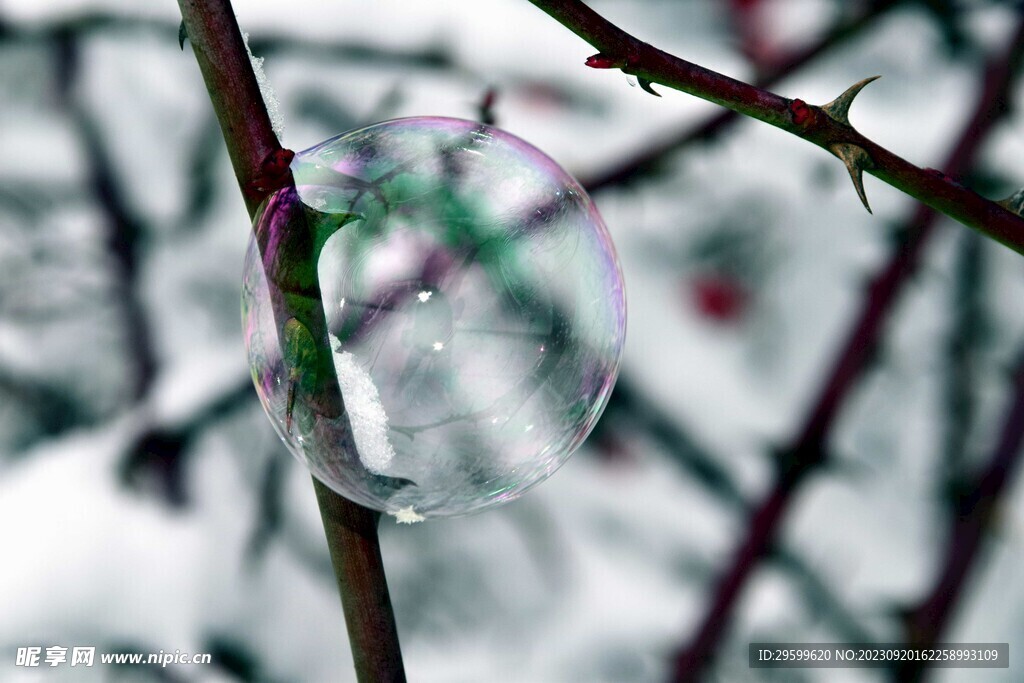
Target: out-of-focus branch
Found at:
x=160, y=450
x=967, y=330
x=630, y=410
x=976, y=511
x=826, y=126
x=94, y=23
x=125, y=229
x=52, y=409
x=642, y=160
x=351, y=529
x=807, y=451
x=629, y=405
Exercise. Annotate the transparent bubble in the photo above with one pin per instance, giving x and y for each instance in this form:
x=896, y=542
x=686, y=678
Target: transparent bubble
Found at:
x=472, y=314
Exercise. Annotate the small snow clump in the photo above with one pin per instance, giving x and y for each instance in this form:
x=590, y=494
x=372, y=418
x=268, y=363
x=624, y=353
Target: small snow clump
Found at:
x=365, y=412
x=269, y=98
x=407, y=515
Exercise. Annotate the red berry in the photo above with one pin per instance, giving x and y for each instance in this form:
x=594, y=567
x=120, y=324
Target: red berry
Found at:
x=719, y=298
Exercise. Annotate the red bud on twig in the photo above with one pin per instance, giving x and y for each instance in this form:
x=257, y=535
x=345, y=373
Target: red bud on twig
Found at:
x=800, y=112
x=275, y=171
x=603, y=61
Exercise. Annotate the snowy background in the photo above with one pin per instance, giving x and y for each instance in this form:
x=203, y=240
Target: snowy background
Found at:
x=145, y=503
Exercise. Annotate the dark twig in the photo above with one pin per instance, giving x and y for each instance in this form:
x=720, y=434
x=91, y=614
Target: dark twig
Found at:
x=629, y=409
x=125, y=230
x=53, y=411
x=966, y=335
x=351, y=529
x=976, y=512
x=98, y=22
x=156, y=457
x=807, y=451
x=826, y=126
x=623, y=170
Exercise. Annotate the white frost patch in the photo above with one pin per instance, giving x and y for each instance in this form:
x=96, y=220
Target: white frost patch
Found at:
x=365, y=412
x=269, y=98
x=407, y=515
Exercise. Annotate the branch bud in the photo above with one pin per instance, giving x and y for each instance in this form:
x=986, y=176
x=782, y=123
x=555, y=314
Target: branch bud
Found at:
x=274, y=172
x=800, y=112
x=603, y=61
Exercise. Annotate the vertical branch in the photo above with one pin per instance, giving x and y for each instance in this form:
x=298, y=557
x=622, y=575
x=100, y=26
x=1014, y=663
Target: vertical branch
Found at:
x=976, y=511
x=351, y=529
x=224, y=62
x=807, y=451
x=966, y=333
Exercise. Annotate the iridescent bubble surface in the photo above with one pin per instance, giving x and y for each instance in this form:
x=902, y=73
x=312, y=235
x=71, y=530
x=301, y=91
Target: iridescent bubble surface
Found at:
x=474, y=307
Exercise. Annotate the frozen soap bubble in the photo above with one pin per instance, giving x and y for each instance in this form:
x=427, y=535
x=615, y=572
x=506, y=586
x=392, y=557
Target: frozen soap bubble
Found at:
x=474, y=315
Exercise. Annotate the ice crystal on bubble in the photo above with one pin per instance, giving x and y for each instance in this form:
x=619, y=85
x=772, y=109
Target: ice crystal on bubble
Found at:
x=407, y=515
x=475, y=308
x=365, y=412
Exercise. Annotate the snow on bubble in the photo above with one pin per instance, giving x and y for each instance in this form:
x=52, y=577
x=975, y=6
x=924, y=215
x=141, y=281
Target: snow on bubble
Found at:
x=365, y=412
x=407, y=515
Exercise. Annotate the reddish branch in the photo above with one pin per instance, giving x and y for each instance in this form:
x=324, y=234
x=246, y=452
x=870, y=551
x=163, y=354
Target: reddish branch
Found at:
x=807, y=451
x=975, y=514
x=623, y=170
x=351, y=529
x=827, y=129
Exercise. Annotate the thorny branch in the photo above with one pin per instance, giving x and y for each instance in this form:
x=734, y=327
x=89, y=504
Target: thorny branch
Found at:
x=826, y=126
x=251, y=142
x=807, y=451
x=628, y=169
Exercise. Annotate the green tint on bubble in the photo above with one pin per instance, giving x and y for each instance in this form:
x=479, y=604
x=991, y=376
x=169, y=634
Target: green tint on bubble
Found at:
x=474, y=307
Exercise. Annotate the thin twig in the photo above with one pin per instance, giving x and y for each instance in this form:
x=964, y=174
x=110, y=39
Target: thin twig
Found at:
x=807, y=450
x=826, y=127
x=351, y=529
x=623, y=170
x=976, y=512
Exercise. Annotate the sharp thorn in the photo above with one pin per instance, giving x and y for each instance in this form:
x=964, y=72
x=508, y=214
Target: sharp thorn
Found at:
x=856, y=160
x=182, y=35
x=839, y=108
x=1014, y=203
x=646, y=86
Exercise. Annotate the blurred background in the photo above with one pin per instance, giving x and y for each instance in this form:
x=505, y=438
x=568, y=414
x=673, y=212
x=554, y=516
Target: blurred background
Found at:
x=146, y=504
